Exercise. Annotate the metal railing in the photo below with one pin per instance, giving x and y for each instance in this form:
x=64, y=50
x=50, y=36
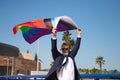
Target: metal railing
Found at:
x=42, y=77
x=100, y=76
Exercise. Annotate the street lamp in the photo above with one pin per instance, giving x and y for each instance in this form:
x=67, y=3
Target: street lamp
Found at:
x=12, y=65
x=38, y=55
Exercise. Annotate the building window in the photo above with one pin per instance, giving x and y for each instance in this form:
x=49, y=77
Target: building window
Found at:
x=3, y=70
x=28, y=72
x=18, y=71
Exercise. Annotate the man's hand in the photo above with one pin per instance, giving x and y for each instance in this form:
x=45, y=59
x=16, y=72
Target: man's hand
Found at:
x=54, y=31
x=79, y=32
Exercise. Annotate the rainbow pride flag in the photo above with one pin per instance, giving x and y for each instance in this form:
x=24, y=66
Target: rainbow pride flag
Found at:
x=34, y=29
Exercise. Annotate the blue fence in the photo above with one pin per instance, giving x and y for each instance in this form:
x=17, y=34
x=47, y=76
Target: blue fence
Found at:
x=42, y=77
x=100, y=76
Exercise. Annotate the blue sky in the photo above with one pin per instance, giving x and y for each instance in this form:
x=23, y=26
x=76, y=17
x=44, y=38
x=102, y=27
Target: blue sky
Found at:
x=98, y=19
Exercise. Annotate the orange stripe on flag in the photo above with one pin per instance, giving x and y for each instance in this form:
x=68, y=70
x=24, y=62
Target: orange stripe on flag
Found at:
x=39, y=23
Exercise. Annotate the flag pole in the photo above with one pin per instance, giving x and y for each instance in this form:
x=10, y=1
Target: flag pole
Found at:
x=38, y=51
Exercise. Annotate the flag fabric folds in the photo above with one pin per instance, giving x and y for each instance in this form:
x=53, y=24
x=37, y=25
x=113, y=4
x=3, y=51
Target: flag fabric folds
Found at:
x=34, y=29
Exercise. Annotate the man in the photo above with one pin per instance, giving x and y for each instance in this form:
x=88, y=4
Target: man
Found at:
x=64, y=67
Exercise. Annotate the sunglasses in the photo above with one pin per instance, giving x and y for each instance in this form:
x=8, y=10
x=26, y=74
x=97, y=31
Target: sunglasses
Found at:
x=65, y=49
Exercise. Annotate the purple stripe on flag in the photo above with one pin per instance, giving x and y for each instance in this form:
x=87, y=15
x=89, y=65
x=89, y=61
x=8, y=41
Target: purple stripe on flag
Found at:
x=42, y=32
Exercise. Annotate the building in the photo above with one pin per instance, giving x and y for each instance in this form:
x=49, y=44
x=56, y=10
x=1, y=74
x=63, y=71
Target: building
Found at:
x=18, y=64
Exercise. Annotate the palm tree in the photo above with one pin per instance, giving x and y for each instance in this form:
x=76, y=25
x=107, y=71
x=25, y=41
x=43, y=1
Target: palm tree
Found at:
x=100, y=62
x=36, y=57
x=67, y=39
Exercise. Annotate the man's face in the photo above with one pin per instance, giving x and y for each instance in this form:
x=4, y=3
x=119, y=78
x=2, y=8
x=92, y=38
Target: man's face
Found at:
x=65, y=49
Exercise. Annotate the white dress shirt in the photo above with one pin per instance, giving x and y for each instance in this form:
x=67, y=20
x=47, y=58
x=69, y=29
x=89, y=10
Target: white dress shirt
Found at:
x=67, y=71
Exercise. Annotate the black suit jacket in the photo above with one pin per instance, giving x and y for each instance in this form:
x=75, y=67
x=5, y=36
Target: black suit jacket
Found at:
x=58, y=59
